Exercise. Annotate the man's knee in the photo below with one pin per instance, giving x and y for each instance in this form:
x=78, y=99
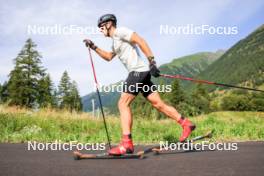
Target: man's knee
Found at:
x=123, y=103
x=159, y=105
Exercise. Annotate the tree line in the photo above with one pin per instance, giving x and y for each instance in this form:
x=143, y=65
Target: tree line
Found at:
x=29, y=85
x=200, y=101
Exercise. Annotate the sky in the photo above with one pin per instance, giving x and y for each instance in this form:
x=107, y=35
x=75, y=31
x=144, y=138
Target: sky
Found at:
x=65, y=51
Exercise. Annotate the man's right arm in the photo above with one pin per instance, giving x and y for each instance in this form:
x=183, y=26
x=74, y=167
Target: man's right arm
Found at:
x=108, y=56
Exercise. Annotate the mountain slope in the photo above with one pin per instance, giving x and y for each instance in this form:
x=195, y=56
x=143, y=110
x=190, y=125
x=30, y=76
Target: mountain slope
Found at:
x=244, y=62
x=190, y=65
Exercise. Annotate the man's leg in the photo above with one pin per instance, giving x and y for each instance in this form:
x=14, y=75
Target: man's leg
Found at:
x=161, y=106
x=126, y=145
x=171, y=112
x=125, y=112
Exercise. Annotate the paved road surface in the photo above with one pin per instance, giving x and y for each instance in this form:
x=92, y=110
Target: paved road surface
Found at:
x=248, y=160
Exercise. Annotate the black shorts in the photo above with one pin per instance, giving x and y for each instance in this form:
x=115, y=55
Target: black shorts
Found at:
x=139, y=82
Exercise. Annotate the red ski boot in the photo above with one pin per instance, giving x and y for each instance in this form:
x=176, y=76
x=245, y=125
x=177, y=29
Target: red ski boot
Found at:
x=187, y=127
x=125, y=147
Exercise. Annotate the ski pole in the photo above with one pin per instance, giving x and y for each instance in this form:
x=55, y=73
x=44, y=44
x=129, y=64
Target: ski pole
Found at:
x=207, y=82
x=99, y=97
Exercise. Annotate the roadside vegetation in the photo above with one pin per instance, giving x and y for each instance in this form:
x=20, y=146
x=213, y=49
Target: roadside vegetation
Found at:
x=47, y=125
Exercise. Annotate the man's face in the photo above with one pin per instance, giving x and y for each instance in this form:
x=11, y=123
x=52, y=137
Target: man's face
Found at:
x=103, y=28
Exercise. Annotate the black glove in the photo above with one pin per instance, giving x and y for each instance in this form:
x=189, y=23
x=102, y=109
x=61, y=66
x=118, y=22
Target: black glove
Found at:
x=90, y=44
x=154, y=71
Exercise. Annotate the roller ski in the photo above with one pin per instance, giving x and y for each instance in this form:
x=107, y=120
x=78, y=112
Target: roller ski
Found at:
x=156, y=149
x=125, y=150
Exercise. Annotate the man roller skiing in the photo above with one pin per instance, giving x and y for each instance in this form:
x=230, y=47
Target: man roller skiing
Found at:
x=125, y=46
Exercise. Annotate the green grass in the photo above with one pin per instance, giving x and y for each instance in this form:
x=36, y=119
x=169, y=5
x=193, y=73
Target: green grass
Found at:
x=48, y=126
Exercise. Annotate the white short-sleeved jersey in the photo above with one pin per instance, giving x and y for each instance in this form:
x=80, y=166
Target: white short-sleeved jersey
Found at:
x=126, y=51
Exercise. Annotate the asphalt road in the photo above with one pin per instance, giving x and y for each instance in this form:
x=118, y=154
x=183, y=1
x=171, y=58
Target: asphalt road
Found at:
x=15, y=159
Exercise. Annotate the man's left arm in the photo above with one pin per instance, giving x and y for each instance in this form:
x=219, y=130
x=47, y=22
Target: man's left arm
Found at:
x=136, y=39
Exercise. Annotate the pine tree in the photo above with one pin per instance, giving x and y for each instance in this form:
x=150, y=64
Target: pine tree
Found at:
x=200, y=100
x=55, y=97
x=3, y=93
x=25, y=77
x=76, y=102
x=176, y=96
x=46, y=92
x=64, y=93
x=68, y=94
